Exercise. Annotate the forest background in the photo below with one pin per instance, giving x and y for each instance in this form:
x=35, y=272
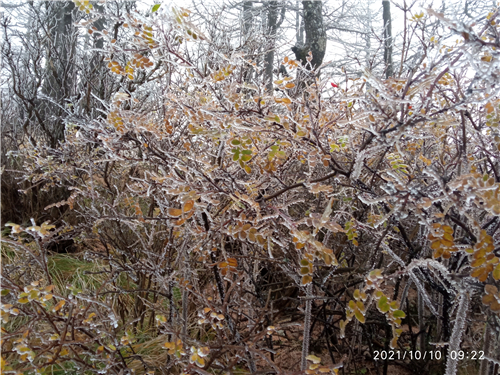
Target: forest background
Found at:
x=253, y=187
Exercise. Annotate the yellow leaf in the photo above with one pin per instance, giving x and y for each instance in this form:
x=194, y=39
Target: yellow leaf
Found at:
x=290, y=85
x=313, y=359
x=359, y=315
x=496, y=272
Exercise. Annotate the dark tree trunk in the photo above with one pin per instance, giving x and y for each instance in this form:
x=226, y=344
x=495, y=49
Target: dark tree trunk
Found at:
x=315, y=35
x=247, y=17
x=387, y=38
x=59, y=77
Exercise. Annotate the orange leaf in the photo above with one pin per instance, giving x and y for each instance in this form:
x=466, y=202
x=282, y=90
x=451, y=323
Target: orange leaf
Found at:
x=174, y=212
x=59, y=305
x=489, y=107
x=306, y=280
x=180, y=221
x=188, y=206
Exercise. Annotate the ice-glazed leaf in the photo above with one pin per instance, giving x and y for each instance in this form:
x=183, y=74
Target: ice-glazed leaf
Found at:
x=15, y=227
x=180, y=221
x=59, y=305
x=23, y=298
x=304, y=270
x=313, y=358
x=488, y=298
x=489, y=107
x=496, y=272
x=399, y=314
x=490, y=289
x=383, y=306
x=394, y=342
x=306, y=280
x=155, y=7
x=359, y=315
x=357, y=294
x=175, y=212
x=352, y=305
x=495, y=306
x=188, y=206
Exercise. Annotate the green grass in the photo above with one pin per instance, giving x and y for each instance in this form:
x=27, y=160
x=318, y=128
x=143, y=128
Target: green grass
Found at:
x=70, y=270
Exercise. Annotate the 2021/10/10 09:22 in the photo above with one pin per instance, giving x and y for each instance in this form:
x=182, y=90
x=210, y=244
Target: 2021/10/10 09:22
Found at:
x=392, y=355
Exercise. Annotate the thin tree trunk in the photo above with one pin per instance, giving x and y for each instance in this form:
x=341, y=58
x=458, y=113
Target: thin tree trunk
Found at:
x=272, y=22
x=368, y=35
x=246, y=32
x=421, y=323
x=299, y=27
x=387, y=38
